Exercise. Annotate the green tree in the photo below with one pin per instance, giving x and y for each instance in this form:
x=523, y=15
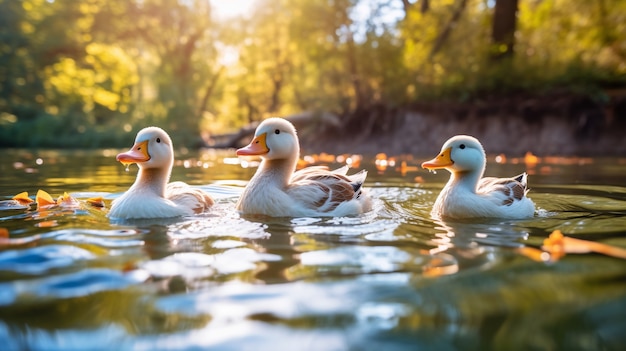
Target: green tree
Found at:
x=173, y=41
x=21, y=87
x=87, y=69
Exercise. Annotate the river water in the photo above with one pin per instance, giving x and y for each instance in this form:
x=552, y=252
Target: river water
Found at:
x=391, y=279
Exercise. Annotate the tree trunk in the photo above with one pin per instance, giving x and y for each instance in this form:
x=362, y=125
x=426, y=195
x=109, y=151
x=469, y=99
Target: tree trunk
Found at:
x=503, y=30
x=208, y=92
x=351, y=60
x=445, y=33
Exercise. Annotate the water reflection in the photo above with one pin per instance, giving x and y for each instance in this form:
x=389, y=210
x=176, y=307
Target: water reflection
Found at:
x=391, y=279
x=39, y=260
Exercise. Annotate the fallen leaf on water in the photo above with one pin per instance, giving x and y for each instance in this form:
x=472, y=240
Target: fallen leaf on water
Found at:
x=5, y=241
x=66, y=200
x=23, y=198
x=47, y=224
x=44, y=199
x=96, y=201
x=63, y=197
x=558, y=245
x=536, y=254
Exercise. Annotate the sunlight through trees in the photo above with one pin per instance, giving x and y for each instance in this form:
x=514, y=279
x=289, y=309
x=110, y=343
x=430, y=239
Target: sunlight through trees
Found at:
x=85, y=68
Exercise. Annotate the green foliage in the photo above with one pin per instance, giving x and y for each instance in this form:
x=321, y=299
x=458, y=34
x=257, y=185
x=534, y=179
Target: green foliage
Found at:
x=561, y=45
x=78, y=72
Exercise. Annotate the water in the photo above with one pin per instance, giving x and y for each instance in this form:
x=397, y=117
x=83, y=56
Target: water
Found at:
x=392, y=279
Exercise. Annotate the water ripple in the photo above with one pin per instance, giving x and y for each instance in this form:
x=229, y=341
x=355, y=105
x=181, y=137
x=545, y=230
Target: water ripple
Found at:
x=108, y=239
x=41, y=259
x=391, y=279
x=82, y=283
x=222, y=220
x=193, y=266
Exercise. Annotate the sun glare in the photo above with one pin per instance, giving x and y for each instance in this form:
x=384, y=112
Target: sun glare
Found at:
x=232, y=8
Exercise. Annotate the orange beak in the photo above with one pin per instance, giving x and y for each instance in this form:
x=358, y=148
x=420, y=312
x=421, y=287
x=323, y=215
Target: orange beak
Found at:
x=138, y=153
x=257, y=146
x=443, y=160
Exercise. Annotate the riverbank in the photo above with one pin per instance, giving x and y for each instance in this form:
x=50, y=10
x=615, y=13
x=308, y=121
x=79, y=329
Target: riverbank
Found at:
x=548, y=125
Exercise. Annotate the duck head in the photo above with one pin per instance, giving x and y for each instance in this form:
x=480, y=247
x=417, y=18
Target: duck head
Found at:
x=461, y=153
x=274, y=139
x=152, y=149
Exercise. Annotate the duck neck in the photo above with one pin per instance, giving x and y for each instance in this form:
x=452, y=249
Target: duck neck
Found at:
x=277, y=172
x=153, y=179
x=466, y=179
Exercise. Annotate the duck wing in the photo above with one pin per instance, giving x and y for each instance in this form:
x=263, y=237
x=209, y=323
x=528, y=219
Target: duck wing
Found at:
x=504, y=191
x=324, y=190
x=186, y=196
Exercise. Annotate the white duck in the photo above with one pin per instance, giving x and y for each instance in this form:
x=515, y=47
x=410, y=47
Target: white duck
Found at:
x=277, y=190
x=467, y=194
x=151, y=196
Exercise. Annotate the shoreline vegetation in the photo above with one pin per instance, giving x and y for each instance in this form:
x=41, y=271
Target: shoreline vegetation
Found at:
x=363, y=76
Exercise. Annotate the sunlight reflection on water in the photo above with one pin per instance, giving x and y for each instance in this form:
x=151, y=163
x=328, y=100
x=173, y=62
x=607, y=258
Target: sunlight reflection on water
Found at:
x=391, y=279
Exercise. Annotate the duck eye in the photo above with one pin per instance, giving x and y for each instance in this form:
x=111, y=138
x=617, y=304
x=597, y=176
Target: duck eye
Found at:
x=158, y=140
x=462, y=146
x=277, y=131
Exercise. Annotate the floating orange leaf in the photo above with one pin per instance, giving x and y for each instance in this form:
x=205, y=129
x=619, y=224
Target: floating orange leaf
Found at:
x=536, y=254
x=558, y=245
x=23, y=198
x=44, y=199
x=62, y=198
x=66, y=200
x=6, y=241
x=4, y=237
x=47, y=224
x=96, y=201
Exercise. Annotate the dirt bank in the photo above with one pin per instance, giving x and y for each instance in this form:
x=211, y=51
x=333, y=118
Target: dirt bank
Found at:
x=551, y=125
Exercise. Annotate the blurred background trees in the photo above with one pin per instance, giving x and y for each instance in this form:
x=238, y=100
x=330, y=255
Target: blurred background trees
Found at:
x=84, y=72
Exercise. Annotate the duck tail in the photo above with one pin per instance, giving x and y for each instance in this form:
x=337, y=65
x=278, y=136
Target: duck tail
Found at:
x=523, y=179
x=357, y=180
x=342, y=170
